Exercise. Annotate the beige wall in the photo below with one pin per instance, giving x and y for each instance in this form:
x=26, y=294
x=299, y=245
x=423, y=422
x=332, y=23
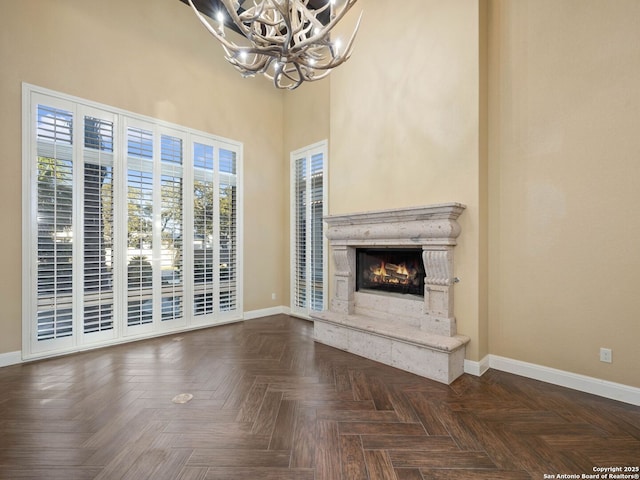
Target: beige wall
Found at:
x=151, y=57
x=306, y=121
x=406, y=129
x=564, y=182
x=549, y=178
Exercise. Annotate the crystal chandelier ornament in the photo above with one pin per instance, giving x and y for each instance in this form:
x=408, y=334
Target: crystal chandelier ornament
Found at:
x=287, y=41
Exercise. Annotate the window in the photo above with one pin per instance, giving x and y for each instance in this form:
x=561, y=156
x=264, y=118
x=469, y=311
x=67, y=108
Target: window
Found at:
x=308, y=245
x=131, y=225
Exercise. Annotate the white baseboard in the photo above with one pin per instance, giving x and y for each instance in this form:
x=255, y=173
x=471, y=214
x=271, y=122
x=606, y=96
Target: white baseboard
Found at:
x=582, y=383
x=10, y=358
x=477, y=368
x=265, y=312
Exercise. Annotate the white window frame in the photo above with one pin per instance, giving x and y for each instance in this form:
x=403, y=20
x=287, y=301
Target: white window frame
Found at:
x=307, y=153
x=32, y=96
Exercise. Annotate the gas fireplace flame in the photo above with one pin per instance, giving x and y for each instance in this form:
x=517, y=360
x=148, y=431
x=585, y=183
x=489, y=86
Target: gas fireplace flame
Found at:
x=392, y=273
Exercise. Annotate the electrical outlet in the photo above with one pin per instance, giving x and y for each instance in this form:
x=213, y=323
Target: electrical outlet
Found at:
x=273, y=296
x=605, y=355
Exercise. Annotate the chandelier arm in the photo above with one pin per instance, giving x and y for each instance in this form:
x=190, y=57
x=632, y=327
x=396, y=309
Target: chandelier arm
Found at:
x=208, y=26
x=294, y=82
x=312, y=15
x=296, y=34
x=298, y=70
x=337, y=60
x=254, y=65
x=329, y=26
x=226, y=44
x=349, y=46
x=320, y=10
x=285, y=13
x=230, y=46
x=238, y=21
x=248, y=17
x=268, y=38
x=303, y=25
x=269, y=50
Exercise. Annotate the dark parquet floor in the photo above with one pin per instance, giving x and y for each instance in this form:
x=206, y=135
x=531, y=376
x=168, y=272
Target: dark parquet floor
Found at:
x=268, y=403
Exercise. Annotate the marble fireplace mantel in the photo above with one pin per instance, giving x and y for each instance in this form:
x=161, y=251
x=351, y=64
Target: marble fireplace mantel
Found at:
x=405, y=331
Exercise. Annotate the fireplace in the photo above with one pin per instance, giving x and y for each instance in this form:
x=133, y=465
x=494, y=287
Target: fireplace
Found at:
x=394, y=270
x=392, y=295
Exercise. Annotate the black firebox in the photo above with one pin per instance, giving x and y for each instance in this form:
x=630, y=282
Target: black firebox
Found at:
x=396, y=270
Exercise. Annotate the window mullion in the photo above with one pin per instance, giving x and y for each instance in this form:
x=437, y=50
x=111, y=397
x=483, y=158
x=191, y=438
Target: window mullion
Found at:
x=216, y=229
x=156, y=248
x=77, y=226
x=187, y=230
x=309, y=233
x=120, y=227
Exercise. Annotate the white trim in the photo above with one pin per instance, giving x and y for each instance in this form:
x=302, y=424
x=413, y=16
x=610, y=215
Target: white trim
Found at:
x=574, y=381
x=476, y=368
x=265, y=312
x=10, y=358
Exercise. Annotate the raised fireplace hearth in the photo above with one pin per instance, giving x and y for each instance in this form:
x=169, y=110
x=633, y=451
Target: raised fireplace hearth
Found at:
x=393, y=282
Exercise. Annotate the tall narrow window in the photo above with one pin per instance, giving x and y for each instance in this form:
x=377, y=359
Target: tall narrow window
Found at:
x=98, y=225
x=215, y=222
x=203, y=223
x=308, y=249
x=139, y=226
x=228, y=230
x=171, y=227
x=131, y=226
x=55, y=223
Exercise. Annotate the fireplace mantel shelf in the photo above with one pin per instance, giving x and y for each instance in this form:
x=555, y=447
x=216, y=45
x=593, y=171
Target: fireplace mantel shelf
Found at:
x=439, y=211
x=414, y=226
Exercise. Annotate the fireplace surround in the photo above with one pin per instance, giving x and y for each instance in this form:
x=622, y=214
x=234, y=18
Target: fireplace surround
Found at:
x=415, y=332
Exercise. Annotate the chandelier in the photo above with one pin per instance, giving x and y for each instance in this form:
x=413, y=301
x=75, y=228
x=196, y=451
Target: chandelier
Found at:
x=288, y=43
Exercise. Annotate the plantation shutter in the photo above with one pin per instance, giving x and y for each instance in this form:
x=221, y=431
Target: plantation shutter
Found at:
x=315, y=245
x=308, y=255
x=55, y=206
x=98, y=258
x=139, y=226
x=300, y=234
x=228, y=230
x=171, y=228
x=203, y=225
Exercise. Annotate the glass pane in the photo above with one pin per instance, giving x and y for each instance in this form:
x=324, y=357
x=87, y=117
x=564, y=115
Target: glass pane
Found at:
x=171, y=228
x=139, y=227
x=300, y=253
x=308, y=247
x=55, y=223
x=228, y=231
x=316, y=256
x=98, y=225
x=203, y=242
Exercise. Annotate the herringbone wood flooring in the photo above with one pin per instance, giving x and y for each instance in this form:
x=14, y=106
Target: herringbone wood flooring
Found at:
x=269, y=403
